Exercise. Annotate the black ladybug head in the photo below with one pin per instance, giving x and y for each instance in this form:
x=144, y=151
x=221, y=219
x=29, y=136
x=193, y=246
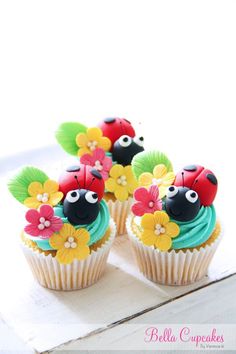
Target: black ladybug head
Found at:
x=81, y=206
x=125, y=148
x=182, y=203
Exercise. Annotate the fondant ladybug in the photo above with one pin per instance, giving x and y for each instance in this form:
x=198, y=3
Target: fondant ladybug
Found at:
x=82, y=177
x=114, y=128
x=182, y=203
x=125, y=148
x=81, y=206
x=199, y=179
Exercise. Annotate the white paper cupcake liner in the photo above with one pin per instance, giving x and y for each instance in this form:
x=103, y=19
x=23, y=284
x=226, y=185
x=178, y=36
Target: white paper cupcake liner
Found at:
x=77, y=275
x=119, y=212
x=172, y=268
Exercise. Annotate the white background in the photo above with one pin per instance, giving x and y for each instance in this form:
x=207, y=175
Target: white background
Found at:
x=170, y=65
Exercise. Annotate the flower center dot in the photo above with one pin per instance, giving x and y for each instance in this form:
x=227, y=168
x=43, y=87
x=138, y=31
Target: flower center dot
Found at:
x=73, y=245
x=92, y=145
x=98, y=165
x=41, y=226
x=159, y=229
x=45, y=197
x=43, y=223
x=39, y=197
x=122, y=180
x=151, y=204
x=70, y=243
x=67, y=244
x=157, y=181
x=47, y=223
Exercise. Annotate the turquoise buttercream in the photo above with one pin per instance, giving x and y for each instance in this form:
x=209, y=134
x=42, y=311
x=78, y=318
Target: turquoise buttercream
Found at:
x=96, y=229
x=197, y=231
x=109, y=154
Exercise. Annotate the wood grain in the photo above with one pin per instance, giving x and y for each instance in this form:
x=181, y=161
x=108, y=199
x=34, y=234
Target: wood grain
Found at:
x=212, y=304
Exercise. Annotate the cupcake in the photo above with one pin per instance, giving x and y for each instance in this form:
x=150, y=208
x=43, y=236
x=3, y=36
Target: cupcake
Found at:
x=173, y=228
x=109, y=148
x=68, y=232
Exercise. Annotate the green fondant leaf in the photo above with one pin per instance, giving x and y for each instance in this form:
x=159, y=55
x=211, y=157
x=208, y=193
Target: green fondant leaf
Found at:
x=18, y=185
x=146, y=161
x=66, y=134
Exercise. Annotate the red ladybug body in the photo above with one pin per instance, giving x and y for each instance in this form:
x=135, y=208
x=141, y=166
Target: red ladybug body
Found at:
x=114, y=128
x=82, y=177
x=199, y=179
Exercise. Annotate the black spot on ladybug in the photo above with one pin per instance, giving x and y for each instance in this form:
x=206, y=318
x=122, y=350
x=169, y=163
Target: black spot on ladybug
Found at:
x=211, y=178
x=190, y=168
x=96, y=174
x=109, y=120
x=127, y=120
x=73, y=169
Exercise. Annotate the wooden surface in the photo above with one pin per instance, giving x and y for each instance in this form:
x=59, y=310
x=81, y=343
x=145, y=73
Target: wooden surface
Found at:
x=212, y=304
x=44, y=320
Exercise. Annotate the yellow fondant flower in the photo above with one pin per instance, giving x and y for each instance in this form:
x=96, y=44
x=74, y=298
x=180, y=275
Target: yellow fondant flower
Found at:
x=158, y=230
x=70, y=244
x=121, y=182
x=46, y=193
x=91, y=140
x=160, y=177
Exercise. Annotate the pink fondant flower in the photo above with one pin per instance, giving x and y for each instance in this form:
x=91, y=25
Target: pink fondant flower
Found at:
x=98, y=160
x=147, y=200
x=42, y=222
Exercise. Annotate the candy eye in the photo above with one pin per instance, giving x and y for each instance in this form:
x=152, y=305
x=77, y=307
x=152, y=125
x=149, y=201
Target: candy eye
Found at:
x=191, y=196
x=125, y=140
x=172, y=191
x=139, y=140
x=72, y=196
x=91, y=197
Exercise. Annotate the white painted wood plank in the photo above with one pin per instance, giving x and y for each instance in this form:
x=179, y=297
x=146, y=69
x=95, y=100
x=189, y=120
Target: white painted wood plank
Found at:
x=10, y=342
x=128, y=351
x=214, y=304
x=65, y=351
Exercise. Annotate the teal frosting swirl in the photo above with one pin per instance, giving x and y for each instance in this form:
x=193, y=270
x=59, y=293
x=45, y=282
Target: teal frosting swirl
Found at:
x=96, y=229
x=197, y=231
